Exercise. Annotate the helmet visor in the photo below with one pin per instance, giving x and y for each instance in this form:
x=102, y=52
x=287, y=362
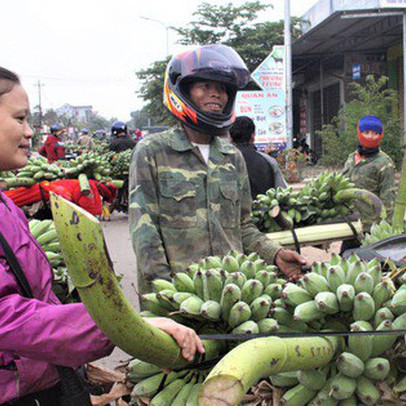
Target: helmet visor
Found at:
x=214, y=62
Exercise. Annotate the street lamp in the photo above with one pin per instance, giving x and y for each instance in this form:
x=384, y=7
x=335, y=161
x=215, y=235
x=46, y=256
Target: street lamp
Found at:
x=166, y=28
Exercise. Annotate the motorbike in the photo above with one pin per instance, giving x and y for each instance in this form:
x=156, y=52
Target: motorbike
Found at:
x=302, y=146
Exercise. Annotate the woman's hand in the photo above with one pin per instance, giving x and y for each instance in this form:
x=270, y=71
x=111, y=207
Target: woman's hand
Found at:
x=186, y=338
x=290, y=262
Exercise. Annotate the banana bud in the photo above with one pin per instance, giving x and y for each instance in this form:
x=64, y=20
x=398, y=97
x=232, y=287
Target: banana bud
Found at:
x=260, y=308
x=313, y=379
x=238, y=278
x=364, y=282
x=274, y=290
x=267, y=325
x=383, y=314
x=191, y=306
x=314, y=283
x=367, y=391
x=382, y=343
x=360, y=345
x=298, y=395
x=248, y=327
x=382, y=293
x=354, y=269
x=183, y=282
x=284, y=379
x=364, y=307
x=248, y=268
x=350, y=365
x=211, y=310
x=342, y=386
x=251, y=290
x=231, y=294
x=377, y=369
x=230, y=264
x=327, y=302
x=137, y=370
x=239, y=313
x=335, y=277
x=295, y=295
x=161, y=284
x=345, y=297
x=308, y=311
x=398, y=304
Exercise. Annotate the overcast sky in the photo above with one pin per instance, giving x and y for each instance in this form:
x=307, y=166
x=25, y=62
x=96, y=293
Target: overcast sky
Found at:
x=86, y=52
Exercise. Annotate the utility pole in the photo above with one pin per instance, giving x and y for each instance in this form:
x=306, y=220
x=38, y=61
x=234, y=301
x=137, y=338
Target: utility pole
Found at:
x=39, y=85
x=288, y=73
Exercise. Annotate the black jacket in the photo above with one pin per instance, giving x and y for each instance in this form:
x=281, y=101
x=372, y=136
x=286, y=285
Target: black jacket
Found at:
x=260, y=171
x=121, y=144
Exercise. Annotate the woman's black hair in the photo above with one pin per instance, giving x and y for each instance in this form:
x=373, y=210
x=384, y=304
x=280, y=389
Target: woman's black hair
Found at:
x=8, y=80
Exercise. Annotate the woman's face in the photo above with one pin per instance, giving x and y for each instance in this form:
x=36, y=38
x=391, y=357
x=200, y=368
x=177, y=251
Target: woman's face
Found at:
x=15, y=132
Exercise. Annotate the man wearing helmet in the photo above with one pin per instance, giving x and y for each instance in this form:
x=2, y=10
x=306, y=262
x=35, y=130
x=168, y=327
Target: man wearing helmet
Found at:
x=53, y=148
x=120, y=140
x=85, y=140
x=189, y=188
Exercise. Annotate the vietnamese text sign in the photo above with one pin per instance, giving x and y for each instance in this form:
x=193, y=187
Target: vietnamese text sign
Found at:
x=270, y=74
x=267, y=110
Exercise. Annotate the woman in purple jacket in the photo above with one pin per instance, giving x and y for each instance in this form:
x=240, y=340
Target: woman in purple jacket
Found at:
x=38, y=333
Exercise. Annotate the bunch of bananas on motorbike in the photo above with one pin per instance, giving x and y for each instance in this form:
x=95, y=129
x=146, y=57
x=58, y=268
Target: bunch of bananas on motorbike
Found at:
x=93, y=165
x=380, y=231
x=36, y=170
x=45, y=233
x=281, y=209
x=120, y=164
x=226, y=294
x=347, y=295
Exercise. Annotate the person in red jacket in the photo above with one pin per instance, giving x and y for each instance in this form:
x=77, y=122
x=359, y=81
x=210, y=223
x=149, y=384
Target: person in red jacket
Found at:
x=53, y=148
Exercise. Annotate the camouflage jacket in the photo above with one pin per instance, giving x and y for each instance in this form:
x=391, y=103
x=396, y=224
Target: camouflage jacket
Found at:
x=182, y=210
x=376, y=174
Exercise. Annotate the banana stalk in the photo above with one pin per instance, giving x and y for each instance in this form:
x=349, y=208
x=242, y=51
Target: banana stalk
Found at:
x=242, y=367
x=315, y=234
x=364, y=196
x=400, y=205
x=83, y=246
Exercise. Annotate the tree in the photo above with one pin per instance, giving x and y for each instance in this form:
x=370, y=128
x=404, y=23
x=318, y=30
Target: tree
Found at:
x=229, y=25
x=374, y=98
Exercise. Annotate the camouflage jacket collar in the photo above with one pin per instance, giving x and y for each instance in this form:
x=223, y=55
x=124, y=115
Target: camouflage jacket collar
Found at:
x=180, y=142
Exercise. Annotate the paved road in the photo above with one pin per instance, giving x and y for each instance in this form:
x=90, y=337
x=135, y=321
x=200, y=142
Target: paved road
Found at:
x=120, y=249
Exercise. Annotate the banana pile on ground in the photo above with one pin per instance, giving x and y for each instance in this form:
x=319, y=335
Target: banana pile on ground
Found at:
x=120, y=164
x=36, y=170
x=92, y=164
x=318, y=201
x=45, y=233
x=217, y=295
x=347, y=295
x=380, y=231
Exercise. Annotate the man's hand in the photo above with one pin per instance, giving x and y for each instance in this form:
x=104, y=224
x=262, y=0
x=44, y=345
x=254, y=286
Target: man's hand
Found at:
x=186, y=338
x=290, y=262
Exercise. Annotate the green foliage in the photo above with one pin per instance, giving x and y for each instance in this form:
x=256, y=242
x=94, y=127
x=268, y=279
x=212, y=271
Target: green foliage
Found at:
x=229, y=25
x=374, y=98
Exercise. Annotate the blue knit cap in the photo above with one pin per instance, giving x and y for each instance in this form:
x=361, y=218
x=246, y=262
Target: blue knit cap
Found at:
x=371, y=123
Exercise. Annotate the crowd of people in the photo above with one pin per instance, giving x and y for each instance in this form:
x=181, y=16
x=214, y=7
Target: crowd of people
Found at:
x=190, y=196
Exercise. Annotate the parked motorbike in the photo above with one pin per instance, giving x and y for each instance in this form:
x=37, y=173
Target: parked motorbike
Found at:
x=302, y=146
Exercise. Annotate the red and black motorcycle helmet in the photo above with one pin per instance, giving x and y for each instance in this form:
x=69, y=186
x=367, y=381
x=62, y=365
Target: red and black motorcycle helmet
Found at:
x=208, y=62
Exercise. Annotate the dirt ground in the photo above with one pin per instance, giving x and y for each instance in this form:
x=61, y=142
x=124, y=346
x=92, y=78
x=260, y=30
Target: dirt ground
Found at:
x=316, y=255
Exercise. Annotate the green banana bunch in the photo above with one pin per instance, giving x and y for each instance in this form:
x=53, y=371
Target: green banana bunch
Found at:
x=120, y=164
x=45, y=234
x=379, y=232
x=281, y=209
x=346, y=295
x=92, y=164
